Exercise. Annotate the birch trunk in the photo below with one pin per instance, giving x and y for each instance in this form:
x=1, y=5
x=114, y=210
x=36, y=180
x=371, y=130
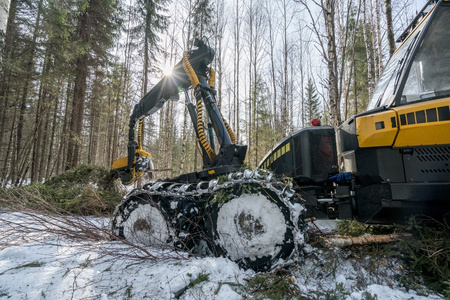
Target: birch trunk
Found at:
x=368, y=48
x=390, y=28
x=328, y=10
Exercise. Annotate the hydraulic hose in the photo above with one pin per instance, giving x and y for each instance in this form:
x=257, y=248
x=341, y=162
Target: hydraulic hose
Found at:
x=212, y=77
x=190, y=71
x=201, y=129
x=140, y=133
x=229, y=130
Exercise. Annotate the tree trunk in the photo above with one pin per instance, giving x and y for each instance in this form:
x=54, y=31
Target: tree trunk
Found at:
x=237, y=50
x=219, y=35
x=272, y=67
x=6, y=32
x=45, y=138
x=355, y=90
x=291, y=96
x=28, y=79
x=37, y=147
x=251, y=96
x=9, y=150
x=379, y=67
x=390, y=28
x=51, y=154
x=284, y=97
x=65, y=135
x=37, y=151
x=79, y=94
x=335, y=113
x=76, y=121
x=368, y=47
x=301, y=68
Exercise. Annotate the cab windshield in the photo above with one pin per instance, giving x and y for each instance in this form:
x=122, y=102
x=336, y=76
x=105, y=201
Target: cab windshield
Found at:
x=384, y=90
x=429, y=76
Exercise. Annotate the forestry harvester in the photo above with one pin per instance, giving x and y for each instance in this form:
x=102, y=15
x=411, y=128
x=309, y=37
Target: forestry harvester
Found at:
x=378, y=167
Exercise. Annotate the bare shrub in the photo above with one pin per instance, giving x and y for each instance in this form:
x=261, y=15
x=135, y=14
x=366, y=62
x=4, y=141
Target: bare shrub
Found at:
x=28, y=217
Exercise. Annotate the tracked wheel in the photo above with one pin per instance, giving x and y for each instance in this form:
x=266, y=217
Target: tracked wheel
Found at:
x=254, y=224
x=140, y=219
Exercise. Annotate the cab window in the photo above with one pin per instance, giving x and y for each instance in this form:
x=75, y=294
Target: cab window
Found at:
x=429, y=75
x=383, y=94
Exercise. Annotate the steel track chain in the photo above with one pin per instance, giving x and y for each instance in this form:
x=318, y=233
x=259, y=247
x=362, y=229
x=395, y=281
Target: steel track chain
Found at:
x=204, y=189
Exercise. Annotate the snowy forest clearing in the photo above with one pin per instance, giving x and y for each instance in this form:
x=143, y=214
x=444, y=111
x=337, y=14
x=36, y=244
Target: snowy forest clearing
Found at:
x=38, y=265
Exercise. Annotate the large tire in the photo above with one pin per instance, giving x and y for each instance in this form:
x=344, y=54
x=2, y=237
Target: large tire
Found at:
x=142, y=220
x=251, y=225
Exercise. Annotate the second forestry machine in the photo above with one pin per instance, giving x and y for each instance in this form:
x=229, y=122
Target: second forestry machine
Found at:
x=378, y=167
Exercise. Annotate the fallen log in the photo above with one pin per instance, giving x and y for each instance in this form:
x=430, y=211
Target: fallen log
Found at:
x=345, y=241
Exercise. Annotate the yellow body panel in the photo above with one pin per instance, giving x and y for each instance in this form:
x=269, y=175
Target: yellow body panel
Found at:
x=424, y=124
x=420, y=124
x=377, y=130
x=120, y=163
x=123, y=162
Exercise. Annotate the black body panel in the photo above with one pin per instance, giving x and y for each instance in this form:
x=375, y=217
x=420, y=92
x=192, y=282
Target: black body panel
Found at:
x=308, y=156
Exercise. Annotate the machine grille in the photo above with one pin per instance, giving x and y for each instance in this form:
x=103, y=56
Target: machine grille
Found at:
x=433, y=154
x=440, y=155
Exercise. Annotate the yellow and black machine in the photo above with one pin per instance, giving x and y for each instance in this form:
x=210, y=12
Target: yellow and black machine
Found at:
x=394, y=158
x=380, y=166
x=399, y=149
x=251, y=217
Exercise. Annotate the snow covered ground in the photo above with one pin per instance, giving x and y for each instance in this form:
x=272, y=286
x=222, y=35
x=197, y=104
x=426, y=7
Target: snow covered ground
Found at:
x=38, y=265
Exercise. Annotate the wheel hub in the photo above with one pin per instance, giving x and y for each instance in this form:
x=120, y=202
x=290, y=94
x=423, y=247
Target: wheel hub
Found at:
x=142, y=225
x=146, y=225
x=248, y=225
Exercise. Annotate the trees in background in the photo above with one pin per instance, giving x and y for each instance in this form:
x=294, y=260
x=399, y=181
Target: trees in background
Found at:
x=72, y=71
x=95, y=27
x=55, y=51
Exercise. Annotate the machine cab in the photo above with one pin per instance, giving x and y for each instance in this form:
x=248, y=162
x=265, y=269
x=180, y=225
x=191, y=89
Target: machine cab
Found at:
x=399, y=149
x=419, y=69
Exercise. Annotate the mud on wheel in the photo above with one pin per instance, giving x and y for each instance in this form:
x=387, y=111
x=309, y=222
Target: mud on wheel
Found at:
x=255, y=223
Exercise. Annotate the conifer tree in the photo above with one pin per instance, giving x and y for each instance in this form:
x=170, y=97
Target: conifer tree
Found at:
x=202, y=18
x=312, y=100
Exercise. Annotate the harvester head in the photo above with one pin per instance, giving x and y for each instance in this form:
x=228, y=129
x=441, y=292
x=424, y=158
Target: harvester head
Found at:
x=142, y=164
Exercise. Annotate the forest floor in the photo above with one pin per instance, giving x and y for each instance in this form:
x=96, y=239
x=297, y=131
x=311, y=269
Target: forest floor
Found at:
x=38, y=263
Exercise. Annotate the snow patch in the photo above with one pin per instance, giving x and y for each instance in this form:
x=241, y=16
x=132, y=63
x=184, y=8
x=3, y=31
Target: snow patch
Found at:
x=385, y=292
x=56, y=268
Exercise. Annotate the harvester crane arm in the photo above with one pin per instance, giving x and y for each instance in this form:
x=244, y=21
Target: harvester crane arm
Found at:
x=192, y=71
